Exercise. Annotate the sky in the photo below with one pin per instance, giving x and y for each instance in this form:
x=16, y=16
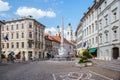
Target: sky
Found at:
x=47, y=12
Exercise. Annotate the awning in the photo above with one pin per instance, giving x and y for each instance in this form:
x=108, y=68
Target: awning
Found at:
x=82, y=51
x=92, y=50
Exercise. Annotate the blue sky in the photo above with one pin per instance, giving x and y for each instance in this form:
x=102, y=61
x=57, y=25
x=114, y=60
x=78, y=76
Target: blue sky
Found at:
x=47, y=12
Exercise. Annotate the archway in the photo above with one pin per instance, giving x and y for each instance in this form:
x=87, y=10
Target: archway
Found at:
x=115, y=53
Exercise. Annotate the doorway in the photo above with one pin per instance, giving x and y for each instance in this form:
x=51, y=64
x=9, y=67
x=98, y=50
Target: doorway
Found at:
x=115, y=52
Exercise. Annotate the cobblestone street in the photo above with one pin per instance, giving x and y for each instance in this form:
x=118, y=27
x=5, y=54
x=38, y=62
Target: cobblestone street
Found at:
x=54, y=70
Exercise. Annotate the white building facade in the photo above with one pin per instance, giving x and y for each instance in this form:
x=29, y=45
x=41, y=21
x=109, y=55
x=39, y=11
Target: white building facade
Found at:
x=79, y=35
x=109, y=29
x=87, y=32
x=101, y=29
x=25, y=37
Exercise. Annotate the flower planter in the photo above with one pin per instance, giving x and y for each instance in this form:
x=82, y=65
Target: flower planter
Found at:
x=89, y=63
x=82, y=64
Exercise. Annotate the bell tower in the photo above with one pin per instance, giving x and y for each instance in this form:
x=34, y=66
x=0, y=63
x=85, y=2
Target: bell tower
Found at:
x=58, y=31
x=69, y=35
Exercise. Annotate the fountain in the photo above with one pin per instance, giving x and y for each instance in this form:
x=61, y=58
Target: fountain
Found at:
x=62, y=51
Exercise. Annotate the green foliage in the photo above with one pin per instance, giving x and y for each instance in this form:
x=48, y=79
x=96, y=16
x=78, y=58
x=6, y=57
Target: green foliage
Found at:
x=2, y=56
x=88, y=55
x=84, y=58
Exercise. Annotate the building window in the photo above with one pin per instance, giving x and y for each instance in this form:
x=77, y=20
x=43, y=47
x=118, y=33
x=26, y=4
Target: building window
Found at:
x=17, y=45
x=3, y=46
x=7, y=45
x=22, y=35
x=92, y=27
x=92, y=40
x=114, y=12
x=11, y=35
x=100, y=24
x=115, y=32
x=2, y=28
x=7, y=28
x=12, y=27
x=30, y=45
x=30, y=35
x=106, y=37
x=96, y=25
x=106, y=20
x=114, y=16
x=2, y=35
x=99, y=9
x=87, y=30
x=96, y=39
x=22, y=44
x=30, y=24
x=22, y=25
x=100, y=38
x=105, y=3
x=12, y=45
x=16, y=26
x=17, y=35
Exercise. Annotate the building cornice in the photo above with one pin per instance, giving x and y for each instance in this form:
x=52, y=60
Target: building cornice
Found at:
x=22, y=19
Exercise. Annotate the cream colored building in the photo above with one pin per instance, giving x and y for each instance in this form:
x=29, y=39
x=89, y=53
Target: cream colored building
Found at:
x=1, y=24
x=25, y=38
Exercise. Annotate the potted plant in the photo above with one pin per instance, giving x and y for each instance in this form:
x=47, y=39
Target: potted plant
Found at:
x=84, y=59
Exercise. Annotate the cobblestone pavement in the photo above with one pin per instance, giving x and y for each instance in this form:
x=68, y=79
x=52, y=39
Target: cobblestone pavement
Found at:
x=54, y=70
x=111, y=65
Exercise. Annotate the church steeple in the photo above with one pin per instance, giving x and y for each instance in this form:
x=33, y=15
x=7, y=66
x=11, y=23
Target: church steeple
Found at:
x=69, y=35
x=58, y=31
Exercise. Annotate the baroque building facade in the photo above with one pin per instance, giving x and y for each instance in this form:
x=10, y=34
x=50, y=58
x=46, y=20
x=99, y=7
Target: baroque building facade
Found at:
x=99, y=30
x=109, y=29
x=24, y=38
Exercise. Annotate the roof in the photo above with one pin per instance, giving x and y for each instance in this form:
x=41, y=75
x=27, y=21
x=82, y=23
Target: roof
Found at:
x=14, y=20
x=57, y=39
x=2, y=22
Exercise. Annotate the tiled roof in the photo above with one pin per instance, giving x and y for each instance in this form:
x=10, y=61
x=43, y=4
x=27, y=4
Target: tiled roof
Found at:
x=57, y=39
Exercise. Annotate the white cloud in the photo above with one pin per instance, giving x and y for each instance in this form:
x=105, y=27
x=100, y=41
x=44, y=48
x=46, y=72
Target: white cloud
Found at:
x=36, y=13
x=4, y=6
x=53, y=31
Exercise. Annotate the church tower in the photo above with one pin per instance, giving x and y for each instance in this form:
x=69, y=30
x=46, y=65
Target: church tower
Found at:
x=69, y=35
x=58, y=31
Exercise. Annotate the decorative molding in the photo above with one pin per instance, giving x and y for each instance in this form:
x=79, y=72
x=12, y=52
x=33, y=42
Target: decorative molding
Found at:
x=114, y=27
